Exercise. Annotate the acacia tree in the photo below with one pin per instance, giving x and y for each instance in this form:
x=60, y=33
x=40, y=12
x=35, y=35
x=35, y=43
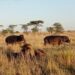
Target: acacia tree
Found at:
x=1, y=26
x=7, y=30
x=58, y=28
x=11, y=27
x=4, y=31
x=36, y=24
x=35, y=29
x=25, y=27
x=50, y=29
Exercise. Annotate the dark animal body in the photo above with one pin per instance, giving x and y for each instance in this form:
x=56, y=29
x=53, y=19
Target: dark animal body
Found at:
x=14, y=38
x=56, y=40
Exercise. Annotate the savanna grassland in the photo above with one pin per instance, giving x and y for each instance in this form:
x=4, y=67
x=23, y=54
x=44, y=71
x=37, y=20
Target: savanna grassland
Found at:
x=61, y=59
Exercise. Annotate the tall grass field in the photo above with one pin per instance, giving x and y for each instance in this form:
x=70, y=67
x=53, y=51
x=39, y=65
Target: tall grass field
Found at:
x=60, y=59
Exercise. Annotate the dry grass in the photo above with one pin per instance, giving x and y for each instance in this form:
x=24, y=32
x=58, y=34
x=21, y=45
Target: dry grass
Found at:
x=61, y=59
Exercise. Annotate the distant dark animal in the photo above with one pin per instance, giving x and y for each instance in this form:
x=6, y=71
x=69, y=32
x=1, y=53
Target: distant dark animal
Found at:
x=56, y=40
x=14, y=39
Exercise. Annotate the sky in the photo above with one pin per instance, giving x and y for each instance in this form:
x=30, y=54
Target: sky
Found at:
x=50, y=11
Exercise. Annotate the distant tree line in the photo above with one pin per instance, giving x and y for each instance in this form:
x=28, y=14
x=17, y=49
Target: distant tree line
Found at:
x=55, y=28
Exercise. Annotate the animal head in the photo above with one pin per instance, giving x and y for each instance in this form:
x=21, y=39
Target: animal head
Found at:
x=68, y=41
x=21, y=36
